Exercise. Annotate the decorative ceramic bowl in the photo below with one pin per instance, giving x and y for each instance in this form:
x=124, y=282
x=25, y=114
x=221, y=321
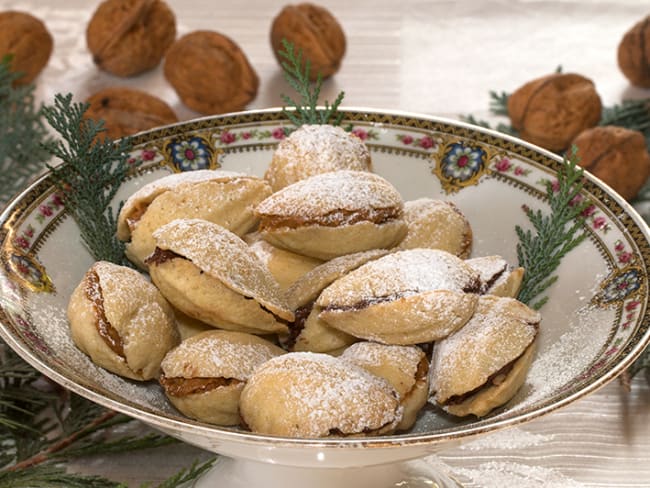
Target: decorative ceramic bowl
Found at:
x=594, y=324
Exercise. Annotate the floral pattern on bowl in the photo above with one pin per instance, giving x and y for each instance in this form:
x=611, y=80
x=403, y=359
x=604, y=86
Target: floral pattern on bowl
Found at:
x=599, y=304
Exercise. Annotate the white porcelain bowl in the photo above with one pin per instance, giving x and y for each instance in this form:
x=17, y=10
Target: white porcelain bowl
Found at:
x=594, y=324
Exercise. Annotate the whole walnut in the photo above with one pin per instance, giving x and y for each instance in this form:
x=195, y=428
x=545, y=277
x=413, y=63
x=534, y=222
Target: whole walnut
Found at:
x=616, y=155
x=210, y=73
x=316, y=32
x=550, y=111
x=26, y=39
x=634, y=55
x=126, y=111
x=128, y=37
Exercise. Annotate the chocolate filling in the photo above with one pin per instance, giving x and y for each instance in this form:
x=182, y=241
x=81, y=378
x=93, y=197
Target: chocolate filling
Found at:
x=180, y=387
x=296, y=328
x=335, y=218
x=135, y=216
x=494, y=379
x=106, y=331
x=159, y=256
x=473, y=287
x=493, y=279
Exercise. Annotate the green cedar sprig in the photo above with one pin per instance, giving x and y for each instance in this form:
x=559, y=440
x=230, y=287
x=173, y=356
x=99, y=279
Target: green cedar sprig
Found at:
x=92, y=172
x=555, y=233
x=42, y=430
x=22, y=132
x=296, y=73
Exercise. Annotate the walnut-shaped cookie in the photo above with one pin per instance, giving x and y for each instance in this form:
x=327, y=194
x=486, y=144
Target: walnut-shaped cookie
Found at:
x=309, y=332
x=481, y=366
x=436, y=224
x=497, y=276
x=203, y=377
x=407, y=297
x=333, y=214
x=224, y=197
x=285, y=266
x=316, y=149
x=404, y=367
x=119, y=319
x=210, y=274
x=303, y=394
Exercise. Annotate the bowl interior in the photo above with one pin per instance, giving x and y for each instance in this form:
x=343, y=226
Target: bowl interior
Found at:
x=593, y=326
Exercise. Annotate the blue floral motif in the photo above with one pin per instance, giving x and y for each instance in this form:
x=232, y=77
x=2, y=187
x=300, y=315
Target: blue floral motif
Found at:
x=621, y=286
x=190, y=154
x=462, y=163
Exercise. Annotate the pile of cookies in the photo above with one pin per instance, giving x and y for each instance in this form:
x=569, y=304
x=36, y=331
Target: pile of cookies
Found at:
x=312, y=302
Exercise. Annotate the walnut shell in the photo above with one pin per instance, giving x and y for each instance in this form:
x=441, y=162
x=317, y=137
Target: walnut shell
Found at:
x=316, y=32
x=210, y=73
x=617, y=156
x=28, y=41
x=126, y=111
x=128, y=37
x=550, y=111
x=633, y=55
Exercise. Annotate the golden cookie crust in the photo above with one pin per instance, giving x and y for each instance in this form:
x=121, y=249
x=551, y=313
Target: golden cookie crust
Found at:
x=316, y=149
x=223, y=197
x=310, y=333
x=436, y=224
x=407, y=297
x=404, y=367
x=497, y=276
x=217, y=354
x=498, y=334
x=286, y=267
x=303, y=394
x=333, y=214
x=213, y=276
x=139, y=321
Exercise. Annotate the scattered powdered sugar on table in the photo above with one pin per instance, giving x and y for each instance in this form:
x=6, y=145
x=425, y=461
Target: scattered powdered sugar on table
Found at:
x=511, y=439
x=513, y=475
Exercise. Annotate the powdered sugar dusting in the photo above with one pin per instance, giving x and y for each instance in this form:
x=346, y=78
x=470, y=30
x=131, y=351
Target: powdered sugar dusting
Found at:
x=329, y=192
x=223, y=255
x=488, y=267
x=318, y=393
x=404, y=272
x=437, y=224
x=498, y=333
x=405, y=358
x=514, y=475
x=51, y=324
x=309, y=286
x=316, y=149
x=574, y=350
x=511, y=439
x=218, y=354
x=148, y=192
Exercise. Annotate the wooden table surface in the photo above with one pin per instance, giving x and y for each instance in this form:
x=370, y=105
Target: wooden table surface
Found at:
x=436, y=57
